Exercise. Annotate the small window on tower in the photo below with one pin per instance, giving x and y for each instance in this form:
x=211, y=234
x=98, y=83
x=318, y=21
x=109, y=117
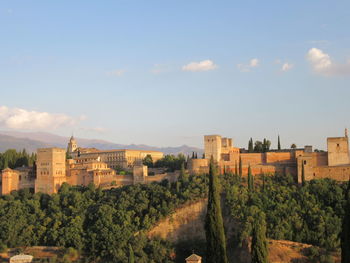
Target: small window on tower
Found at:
x=304, y=162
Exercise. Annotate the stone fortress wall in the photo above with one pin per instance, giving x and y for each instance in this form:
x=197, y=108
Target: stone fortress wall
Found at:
x=334, y=163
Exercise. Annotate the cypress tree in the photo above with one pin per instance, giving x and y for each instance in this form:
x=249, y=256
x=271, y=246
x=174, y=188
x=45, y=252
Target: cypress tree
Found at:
x=345, y=234
x=214, y=227
x=263, y=180
x=250, y=146
x=131, y=255
x=240, y=167
x=259, y=251
x=250, y=180
x=303, y=174
x=236, y=168
x=264, y=145
x=177, y=185
x=183, y=176
x=279, y=143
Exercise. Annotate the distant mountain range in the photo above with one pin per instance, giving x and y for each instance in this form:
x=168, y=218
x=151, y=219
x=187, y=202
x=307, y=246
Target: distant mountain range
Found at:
x=33, y=140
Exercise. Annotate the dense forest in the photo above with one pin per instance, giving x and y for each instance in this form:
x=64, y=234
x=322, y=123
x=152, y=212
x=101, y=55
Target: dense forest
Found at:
x=100, y=224
x=309, y=214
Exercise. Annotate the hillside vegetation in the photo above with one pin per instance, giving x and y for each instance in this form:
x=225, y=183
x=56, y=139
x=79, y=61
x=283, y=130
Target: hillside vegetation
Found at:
x=103, y=225
x=99, y=224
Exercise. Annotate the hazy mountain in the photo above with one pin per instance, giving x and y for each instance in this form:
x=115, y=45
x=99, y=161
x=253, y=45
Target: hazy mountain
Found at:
x=8, y=142
x=33, y=140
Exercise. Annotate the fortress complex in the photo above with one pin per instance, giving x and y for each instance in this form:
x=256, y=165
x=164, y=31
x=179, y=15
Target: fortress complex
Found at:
x=334, y=163
x=86, y=166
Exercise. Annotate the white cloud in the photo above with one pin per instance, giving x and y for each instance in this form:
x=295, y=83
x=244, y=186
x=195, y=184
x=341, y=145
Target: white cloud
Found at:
x=318, y=59
x=253, y=63
x=117, y=72
x=204, y=65
x=16, y=118
x=287, y=66
x=322, y=63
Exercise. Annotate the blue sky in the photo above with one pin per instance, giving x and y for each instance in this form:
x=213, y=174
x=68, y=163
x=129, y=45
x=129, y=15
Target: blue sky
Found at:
x=165, y=73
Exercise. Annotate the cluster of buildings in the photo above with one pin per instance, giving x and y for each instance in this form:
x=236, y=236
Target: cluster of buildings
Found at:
x=82, y=167
x=89, y=165
x=334, y=163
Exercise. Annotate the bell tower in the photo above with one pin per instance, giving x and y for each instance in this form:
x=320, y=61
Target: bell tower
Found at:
x=72, y=145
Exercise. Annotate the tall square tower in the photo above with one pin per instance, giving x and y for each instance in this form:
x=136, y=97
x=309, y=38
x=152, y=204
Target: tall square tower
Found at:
x=51, y=170
x=212, y=147
x=338, y=151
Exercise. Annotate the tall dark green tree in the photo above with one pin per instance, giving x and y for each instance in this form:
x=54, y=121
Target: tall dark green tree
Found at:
x=303, y=174
x=236, y=168
x=258, y=147
x=345, y=234
x=250, y=146
x=250, y=179
x=266, y=145
x=214, y=227
x=240, y=167
x=279, y=143
x=259, y=249
x=131, y=258
x=263, y=180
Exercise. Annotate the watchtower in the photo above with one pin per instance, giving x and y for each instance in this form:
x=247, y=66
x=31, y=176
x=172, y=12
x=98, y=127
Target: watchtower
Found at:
x=212, y=147
x=51, y=170
x=338, y=150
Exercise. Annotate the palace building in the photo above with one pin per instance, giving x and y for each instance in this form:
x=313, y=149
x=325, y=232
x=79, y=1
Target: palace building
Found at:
x=334, y=163
x=85, y=166
x=125, y=159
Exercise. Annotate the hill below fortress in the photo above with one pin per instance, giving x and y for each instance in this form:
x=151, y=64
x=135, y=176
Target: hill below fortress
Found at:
x=186, y=226
x=33, y=140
